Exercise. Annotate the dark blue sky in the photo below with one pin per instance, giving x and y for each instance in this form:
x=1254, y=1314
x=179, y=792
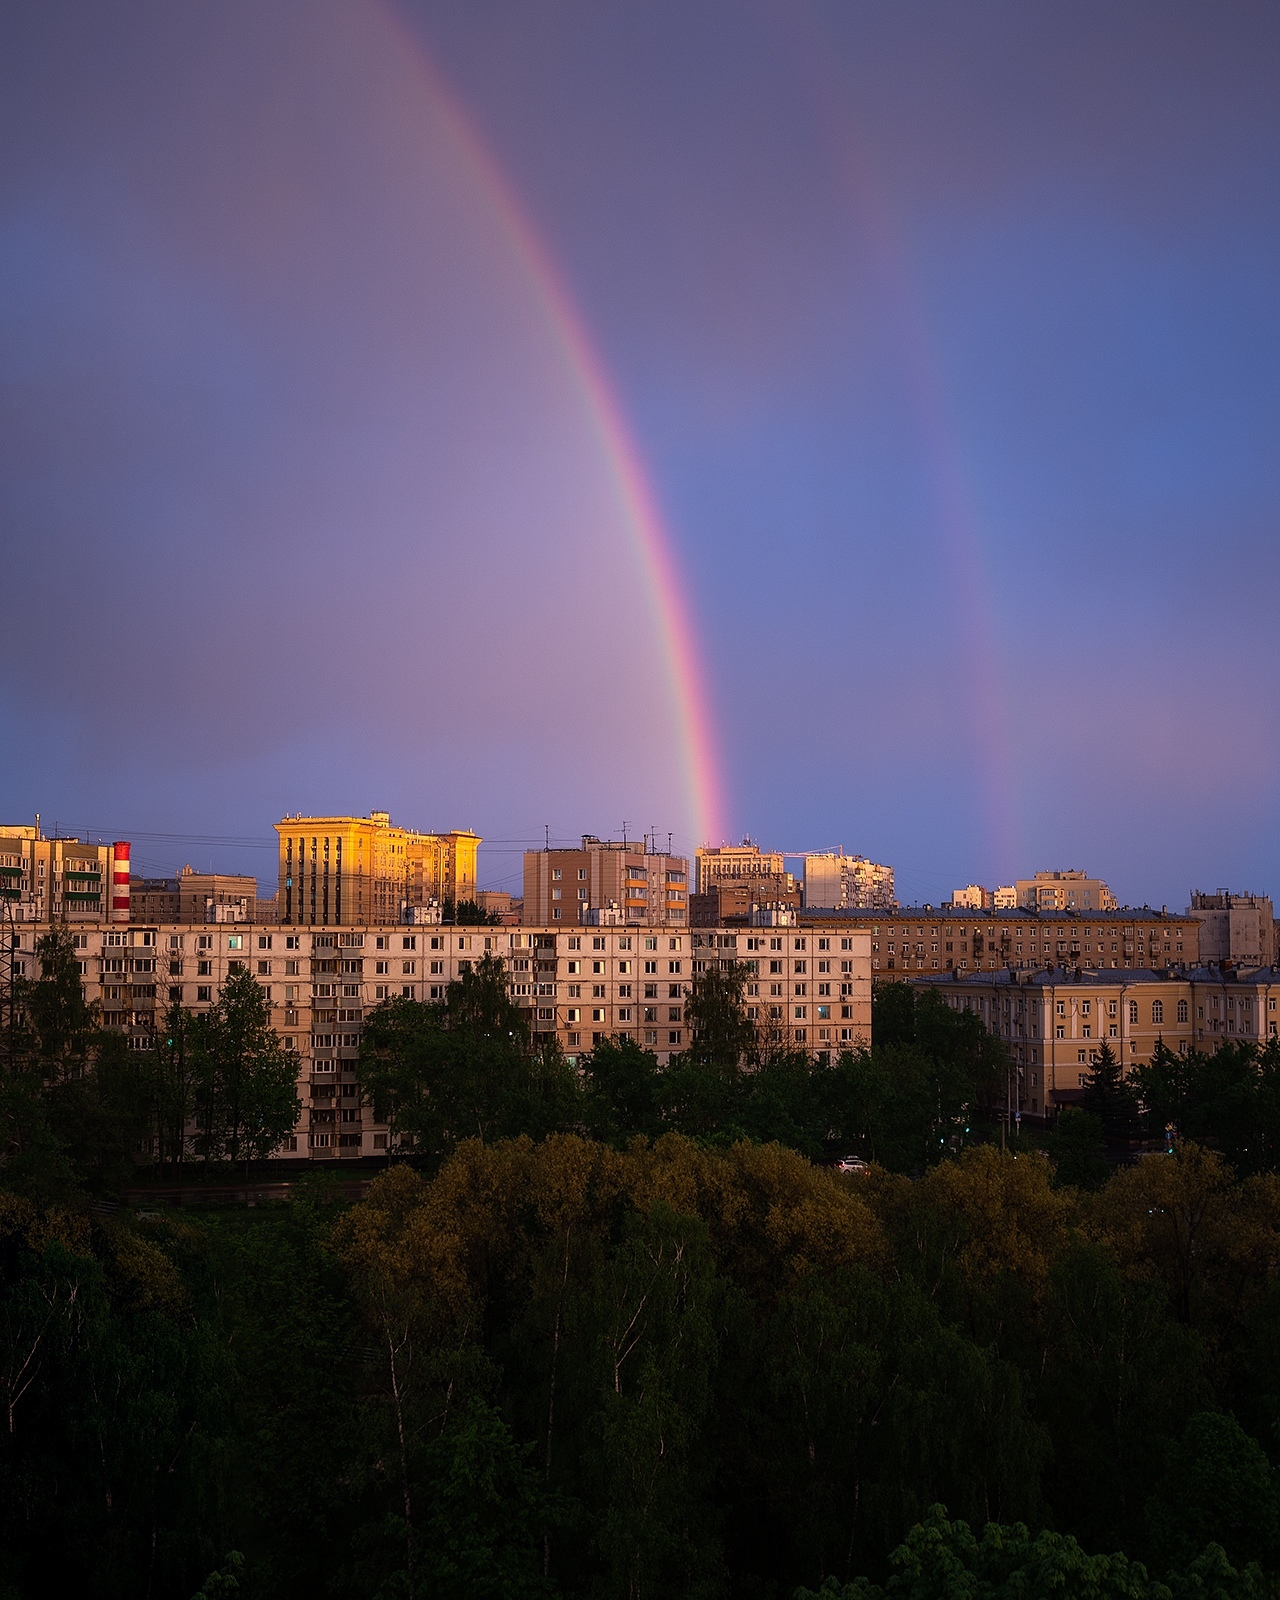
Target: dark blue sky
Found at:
x=949, y=336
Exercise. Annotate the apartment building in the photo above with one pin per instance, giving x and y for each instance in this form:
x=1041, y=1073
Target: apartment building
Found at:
x=1239, y=928
x=199, y=897
x=62, y=880
x=1053, y=1023
x=745, y=864
x=811, y=989
x=734, y=903
x=919, y=939
x=837, y=882
x=1071, y=890
x=605, y=882
x=349, y=871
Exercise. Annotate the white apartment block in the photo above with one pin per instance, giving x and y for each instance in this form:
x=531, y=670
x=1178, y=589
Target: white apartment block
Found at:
x=810, y=988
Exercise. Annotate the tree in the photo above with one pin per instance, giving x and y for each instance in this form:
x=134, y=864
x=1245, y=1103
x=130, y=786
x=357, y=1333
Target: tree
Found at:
x=942, y=1560
x=1218, y=1487
x=246, y=1100
x=722, y=1036
x=174, y=1080
x=1078, y=1150
x=466, y=1067
x=1107, y=1096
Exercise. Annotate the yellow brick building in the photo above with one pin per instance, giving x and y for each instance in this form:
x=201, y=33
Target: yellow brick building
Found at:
x=341, y=872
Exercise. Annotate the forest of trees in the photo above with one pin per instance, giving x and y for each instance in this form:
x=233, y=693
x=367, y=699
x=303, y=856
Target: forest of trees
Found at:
x=618, y=1330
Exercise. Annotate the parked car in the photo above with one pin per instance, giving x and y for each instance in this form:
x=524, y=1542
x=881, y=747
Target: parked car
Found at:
x=851, y=1164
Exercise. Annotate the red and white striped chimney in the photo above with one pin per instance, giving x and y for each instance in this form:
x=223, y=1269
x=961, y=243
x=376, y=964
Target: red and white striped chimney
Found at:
x=120, y=881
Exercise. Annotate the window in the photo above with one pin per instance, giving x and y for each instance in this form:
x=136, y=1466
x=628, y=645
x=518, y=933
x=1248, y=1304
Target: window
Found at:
x=264, y=969
x=1182, y=1010
x=410, y=941
x=264, y=941
x=1157, y=1011
x=235, y=941
x=204, y=992
x=582, y=874
x=555, y=874
x=1133, y=1013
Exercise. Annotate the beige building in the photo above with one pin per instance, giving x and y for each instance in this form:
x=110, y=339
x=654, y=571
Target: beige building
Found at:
x=761, y=871
x=582, y=986
x=1063, y=891
x=349, y=871
x=1239, y=928
x=1054, y=1025
x=603, y=883
x=61, y=880
x=1047, y=891
x=199, y=897
x=914, y=940
x=834, y=881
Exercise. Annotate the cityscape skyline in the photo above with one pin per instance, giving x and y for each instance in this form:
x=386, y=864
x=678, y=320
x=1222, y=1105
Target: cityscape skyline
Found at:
x=822, y=427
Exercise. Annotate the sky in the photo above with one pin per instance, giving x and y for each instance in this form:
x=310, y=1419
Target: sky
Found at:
x=848, y=425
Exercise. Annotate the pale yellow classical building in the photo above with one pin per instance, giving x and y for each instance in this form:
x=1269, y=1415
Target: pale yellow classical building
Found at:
x=1054, y=1023
x=338, y=872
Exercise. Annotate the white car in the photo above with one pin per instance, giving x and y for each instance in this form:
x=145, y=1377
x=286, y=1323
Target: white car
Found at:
x=851, y=1164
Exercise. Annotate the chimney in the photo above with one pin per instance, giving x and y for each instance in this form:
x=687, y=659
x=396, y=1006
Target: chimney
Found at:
x=119, y=881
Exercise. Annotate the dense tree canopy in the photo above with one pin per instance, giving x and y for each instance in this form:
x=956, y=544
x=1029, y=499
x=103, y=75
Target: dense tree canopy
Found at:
x=609, y=1329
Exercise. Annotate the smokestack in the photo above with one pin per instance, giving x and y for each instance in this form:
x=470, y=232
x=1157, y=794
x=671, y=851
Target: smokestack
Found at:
x=119, y=881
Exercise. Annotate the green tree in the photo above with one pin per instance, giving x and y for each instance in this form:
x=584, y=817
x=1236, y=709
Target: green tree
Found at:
x=721, y=1035
x=1218, y=1487
x=1078, y=1150
x=245, y=1096
x=942, y=1560
x=1108, y=1096
x=464, y=1068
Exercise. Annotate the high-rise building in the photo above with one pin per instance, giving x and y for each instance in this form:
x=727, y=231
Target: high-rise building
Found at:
x=61, y=880
x=834, y=881
x=343, y=871
x=1235, y=927
x=603, y=883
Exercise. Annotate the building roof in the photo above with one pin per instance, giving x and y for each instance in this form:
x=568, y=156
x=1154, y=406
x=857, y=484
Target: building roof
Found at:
x=1009, y=914
x=1095, y=977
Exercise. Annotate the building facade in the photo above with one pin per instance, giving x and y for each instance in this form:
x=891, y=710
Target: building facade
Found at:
x=199, y=897
x=61, y=880
x=348, y=871
x=605, y=882
x=1053, y=1023
x=1239, y=928
x=582, y=987
x=763, y=872
x=834, y=881
x=914, y=940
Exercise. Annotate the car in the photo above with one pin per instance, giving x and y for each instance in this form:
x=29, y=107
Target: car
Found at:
x=851, y=1164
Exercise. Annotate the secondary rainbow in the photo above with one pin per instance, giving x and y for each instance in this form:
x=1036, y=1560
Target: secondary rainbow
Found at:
x=644, y=520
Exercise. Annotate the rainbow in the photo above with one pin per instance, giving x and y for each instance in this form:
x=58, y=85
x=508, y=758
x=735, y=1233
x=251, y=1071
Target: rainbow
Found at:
x=653, y=544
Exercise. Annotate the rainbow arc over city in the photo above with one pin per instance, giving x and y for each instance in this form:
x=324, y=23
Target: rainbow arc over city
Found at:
x=643, y=517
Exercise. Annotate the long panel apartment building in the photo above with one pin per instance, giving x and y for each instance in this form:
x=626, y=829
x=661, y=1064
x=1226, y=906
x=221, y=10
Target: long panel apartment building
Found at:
x=585, y=985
